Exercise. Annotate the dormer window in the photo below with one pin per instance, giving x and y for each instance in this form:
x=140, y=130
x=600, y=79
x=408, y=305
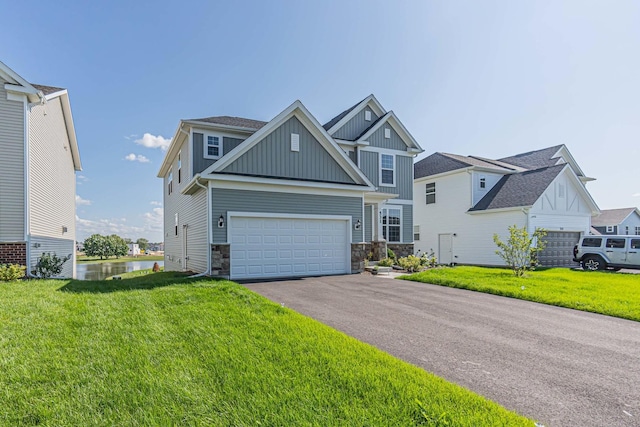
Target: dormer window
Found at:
x=213, y=147
x=387, y=170
x=483, y=183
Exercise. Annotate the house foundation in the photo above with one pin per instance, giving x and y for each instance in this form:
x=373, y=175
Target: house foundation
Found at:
x=358, y=255
x=220, y=260
x=13, y=253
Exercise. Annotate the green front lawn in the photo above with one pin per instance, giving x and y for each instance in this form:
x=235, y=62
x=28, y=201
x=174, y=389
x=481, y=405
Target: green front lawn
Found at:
x=96, y=260
x=613, y=294
x=165, y=350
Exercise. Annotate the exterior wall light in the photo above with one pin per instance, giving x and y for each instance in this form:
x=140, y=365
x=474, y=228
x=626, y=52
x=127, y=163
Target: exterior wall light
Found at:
x=64, y=229
x=357, y=225
x=221, y=222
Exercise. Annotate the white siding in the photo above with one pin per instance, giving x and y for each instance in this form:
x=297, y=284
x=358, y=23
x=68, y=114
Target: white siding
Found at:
x=473, y=240
x=12, y=168
x=561, y=208
x=192, y=213
x=60, y=247
x=491, y=179
x=52, y=184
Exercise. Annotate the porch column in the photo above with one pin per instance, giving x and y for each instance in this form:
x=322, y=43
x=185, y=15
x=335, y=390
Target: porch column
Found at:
x=376, y=227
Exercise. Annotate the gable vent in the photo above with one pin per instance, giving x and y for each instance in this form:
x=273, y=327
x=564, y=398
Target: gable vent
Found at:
x=295, y=142
x=367, y=115
x=387, y=133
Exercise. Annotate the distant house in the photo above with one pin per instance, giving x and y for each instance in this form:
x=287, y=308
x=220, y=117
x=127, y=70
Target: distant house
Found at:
x=290, y=197
x=38, y=163
x=461, y=201
x=134, y=249
x=618, y=221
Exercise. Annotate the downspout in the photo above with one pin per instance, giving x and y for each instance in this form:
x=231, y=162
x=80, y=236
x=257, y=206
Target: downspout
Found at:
x=208, y=272
x=27, y=234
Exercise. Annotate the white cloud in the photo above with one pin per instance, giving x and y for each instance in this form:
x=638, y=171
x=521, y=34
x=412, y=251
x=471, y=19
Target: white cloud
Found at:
x=81, y=201
x=636, y=195
x=156, y=203
x=130, y=137
x=136, y=158
x=150, y=227
x=152, y=141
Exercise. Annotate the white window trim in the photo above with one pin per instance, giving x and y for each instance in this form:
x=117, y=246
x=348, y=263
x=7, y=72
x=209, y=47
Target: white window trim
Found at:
x=395, y=167
x=610, y=228
x=434, y=193
x=170, y=182
x=382, y=208
x=205, y=145
x=482, y=180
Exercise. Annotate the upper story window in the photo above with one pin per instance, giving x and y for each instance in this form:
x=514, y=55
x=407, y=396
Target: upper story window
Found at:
x=170, y=182
x=626, y=229
x=212, y=146
x=610, y=228
x=483, y=183
x=387, y=169
x=637, y=231
x=179, y=168
x=431, y=193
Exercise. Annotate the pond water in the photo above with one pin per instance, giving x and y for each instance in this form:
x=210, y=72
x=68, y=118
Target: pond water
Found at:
x=101, y=271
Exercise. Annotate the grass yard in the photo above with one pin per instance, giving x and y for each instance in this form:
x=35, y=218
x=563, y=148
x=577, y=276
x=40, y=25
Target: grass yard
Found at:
x=96, y=260
x=613, y=294
x=165, y=350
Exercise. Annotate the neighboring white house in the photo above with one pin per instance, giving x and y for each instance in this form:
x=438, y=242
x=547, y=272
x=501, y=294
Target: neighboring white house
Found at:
x=290, y=197
x=134, y=249
x=38, y=163
x=462, y=201
x=618, y=221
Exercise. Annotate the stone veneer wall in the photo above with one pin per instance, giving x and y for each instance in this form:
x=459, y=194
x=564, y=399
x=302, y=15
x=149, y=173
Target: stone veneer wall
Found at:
x=358, y=255
x=401, y=249
x=13, y=253
x=220, y=260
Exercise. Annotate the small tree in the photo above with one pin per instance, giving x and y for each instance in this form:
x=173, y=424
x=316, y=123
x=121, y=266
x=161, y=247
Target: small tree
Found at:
x=117, y=246
x=49, y=265
x=143, y=243
x=96, y=245
x=520, y=251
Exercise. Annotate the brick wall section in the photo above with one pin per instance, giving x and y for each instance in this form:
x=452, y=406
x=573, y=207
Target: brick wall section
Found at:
x=13, y=253
x=220, y=260
x=401, y=249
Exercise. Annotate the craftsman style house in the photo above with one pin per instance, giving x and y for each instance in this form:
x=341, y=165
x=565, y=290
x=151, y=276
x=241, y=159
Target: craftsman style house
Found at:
x=462, y=201
x=37, y=180
x=289, y=197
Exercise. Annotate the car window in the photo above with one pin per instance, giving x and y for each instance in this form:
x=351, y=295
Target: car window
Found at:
x=591, y=242
x=635, y=243
x=615, y=243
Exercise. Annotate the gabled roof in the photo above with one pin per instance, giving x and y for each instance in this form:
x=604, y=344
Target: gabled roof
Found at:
x=231, y=121
x=298, y=110
x=535, y=159
x=519, y=189
x=40, y=93
x=613, y=216
x=341, y=119
x=397, y=125
x=438, y=163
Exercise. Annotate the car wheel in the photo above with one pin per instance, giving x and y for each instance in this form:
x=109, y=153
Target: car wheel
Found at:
x=593, y=263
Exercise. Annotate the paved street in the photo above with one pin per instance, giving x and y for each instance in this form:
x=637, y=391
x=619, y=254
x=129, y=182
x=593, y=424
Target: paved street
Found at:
x=558, y=366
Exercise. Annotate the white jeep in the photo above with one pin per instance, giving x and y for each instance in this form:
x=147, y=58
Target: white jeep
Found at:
x=608, y=252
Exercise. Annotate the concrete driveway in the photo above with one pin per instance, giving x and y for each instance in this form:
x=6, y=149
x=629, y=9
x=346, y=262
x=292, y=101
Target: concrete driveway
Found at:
x=558, y=366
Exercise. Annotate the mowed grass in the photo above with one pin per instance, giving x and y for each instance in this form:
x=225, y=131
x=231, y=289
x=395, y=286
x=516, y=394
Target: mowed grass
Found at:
x=166, y=350
x=613, y=294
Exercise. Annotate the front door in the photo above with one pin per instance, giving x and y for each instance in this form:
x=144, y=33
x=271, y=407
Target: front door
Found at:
x=445, y=249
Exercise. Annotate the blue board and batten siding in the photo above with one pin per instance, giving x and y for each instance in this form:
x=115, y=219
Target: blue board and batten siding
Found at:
x=407, y=223
x=200, y=163
x=273, y=157
x=368, y=226
x=377, y=139
x=369, y=164
x=225, y=200
x=356, y=126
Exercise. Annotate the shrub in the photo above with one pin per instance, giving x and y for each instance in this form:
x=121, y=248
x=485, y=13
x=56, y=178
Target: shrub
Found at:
x=10, y=272
x=411, y=263
x=429, y=260
x=386, y=262
x=49, y=265
x=391, y=254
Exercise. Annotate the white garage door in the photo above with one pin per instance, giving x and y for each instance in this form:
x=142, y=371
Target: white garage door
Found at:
x=286, y=247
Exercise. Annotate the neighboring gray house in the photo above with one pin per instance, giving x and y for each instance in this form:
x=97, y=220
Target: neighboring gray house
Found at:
x=289, y=197
x=618, y=221
x=38, y=163
x=462, y=201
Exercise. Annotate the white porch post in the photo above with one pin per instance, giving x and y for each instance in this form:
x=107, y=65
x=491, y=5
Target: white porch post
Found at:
x=377, y=223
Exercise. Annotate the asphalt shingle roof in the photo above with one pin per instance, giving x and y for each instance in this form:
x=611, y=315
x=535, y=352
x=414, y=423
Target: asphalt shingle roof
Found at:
x=47, y=90
x=518, y=189
x=339, y=117
x=611, y=217
x=445, y=162
x=232, y=121
x=534, y=159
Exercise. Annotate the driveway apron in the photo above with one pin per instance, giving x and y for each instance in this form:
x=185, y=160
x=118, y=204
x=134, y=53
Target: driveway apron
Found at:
x=559, y=366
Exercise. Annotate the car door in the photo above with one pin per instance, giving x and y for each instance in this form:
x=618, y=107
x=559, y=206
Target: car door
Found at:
x=633, y=254
x=615, y=248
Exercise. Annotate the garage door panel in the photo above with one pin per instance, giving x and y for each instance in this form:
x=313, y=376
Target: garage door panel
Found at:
x=272, y=247
x=559, y=249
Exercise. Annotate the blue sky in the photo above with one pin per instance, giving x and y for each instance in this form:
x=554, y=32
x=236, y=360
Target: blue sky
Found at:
x=490, y=78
